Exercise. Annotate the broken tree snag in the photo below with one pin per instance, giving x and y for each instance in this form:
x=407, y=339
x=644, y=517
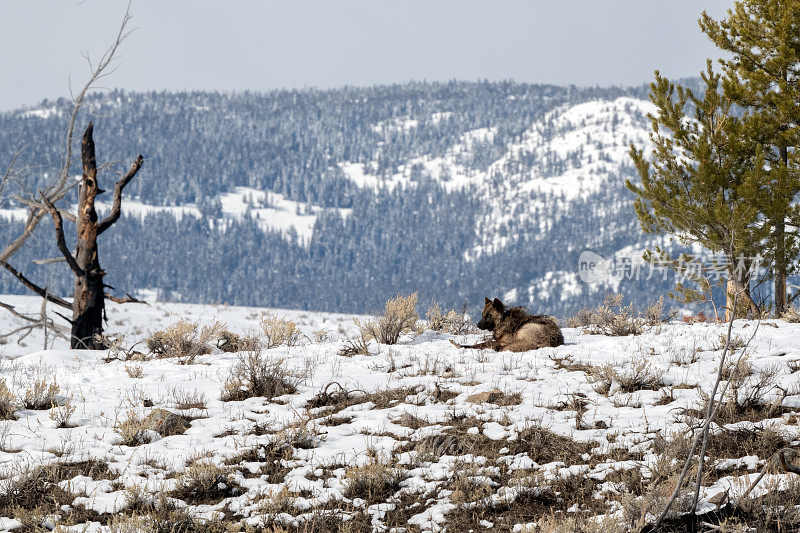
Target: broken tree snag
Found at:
x=88, y=305
x=116, y=209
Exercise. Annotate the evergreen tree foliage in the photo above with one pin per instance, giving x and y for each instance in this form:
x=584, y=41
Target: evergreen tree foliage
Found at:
x=701, y=181
x=762, y=77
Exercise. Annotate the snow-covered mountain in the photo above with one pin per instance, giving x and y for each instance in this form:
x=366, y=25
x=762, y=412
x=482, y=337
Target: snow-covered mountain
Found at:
x=479, y=188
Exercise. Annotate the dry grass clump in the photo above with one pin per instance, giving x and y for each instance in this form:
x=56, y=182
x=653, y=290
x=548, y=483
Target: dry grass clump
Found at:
x=230, y=342
x=279, y=331
x=751, y=392
x=373, y=482
x=639, y=375
x=134, y=371
x=569, y=524
x=732, y=444
x=356, y=345
x=468, y=485
x=132, y=429
x=62, y=413
x=448, y=322
x=321, y=336
x=184, y=399
x=253, y=375
x=40, y=395
x=272, y=504
x=615, y=319
x=165, y=518
x=204, y=482
x=564, y=504
x=184, y=340
x=36, y=492
x=8, y=402
x=273, y=456
x=544, y=446
x=792, y=314
x=399, y=316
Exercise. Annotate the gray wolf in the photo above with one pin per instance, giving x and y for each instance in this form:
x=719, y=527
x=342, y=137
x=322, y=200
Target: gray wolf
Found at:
x=516, y=330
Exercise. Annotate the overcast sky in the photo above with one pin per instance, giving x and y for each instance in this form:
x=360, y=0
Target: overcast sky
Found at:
x=262, y=45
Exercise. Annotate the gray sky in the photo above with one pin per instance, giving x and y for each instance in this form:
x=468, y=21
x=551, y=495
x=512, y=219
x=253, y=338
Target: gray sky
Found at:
x=261, y=45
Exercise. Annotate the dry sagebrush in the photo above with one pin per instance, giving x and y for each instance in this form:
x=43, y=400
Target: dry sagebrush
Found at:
x=184, y=340
x=279, y=331
x=399, y=316
x=613, y=318
x=448, y=322
x=254, y=375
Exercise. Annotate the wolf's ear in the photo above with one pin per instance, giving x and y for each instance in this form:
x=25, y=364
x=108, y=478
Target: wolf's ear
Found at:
x=486, y=301
x=498, y=305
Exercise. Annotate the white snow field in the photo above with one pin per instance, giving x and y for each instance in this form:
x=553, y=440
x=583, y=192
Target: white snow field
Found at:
x=417, y=436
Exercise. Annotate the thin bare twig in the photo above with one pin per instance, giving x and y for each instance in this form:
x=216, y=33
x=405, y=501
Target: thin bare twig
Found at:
x=63, y=184
x=782, y=461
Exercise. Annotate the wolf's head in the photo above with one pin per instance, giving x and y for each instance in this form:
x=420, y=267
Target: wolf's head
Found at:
x=492, y=314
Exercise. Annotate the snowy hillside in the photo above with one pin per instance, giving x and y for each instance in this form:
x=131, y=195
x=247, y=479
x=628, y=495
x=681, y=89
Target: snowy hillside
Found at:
x=418, y=436
x=480, y=188
x=572, y=152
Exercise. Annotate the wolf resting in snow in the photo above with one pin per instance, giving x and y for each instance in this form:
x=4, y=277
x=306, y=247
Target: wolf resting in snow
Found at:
x=516, y=330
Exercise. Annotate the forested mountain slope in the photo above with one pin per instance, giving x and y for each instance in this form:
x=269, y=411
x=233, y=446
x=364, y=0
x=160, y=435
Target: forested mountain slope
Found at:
x=335, y=200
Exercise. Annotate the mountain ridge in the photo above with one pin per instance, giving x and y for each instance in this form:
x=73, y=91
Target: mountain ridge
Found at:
x=456, y=190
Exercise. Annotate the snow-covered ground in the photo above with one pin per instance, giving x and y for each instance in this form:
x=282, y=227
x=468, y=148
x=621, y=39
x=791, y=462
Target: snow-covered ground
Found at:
x=413, y=411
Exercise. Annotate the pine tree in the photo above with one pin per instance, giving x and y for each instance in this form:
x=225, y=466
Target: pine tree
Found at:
x=762, y=75
x=700, y=182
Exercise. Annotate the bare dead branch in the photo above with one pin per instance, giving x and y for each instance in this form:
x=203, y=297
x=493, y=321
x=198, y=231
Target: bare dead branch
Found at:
x=49, y=261
x=116, y=209
x=41, y=205
x=65, y=317
x=43, y=313
x=35, y=288
x=27, y=329
x=713, y=409
x=11, y=309
x=10, y=173
x=62, y=243
x=128, y=299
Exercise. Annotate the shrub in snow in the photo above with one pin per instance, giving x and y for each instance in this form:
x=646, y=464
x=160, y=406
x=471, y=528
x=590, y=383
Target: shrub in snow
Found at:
x=278, y=331
x=449, y=322
x=8, y=403
x=371, y=482
x=40, y=395
x=615, y=319
x=253, y=375
x=204, y=482
x=185, y=340
x=399, y=316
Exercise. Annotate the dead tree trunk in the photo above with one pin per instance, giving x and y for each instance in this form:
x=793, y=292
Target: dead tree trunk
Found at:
x=88, y=304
